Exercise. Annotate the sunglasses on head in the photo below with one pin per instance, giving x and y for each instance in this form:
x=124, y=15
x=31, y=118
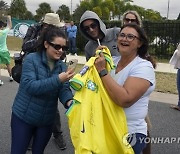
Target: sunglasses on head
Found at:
x=58, y=47
x=130, y=20
x=92, y=26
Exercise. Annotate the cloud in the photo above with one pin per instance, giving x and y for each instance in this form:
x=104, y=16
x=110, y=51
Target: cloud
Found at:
x=156, y=5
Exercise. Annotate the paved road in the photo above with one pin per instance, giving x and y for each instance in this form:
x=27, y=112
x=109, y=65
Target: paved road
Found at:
x=165, y=121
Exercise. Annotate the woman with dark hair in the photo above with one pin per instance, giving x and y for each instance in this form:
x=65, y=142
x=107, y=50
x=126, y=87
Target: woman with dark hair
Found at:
x=132, y=16
x=132, y=82
x=44, y=79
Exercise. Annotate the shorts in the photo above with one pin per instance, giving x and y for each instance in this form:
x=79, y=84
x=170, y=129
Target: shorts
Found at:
x=5, y=57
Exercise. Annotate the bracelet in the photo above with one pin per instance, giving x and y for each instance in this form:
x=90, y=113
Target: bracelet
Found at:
x=102, y=73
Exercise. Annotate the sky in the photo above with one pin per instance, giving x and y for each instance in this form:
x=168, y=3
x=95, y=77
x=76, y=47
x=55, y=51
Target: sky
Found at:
x=157, y=5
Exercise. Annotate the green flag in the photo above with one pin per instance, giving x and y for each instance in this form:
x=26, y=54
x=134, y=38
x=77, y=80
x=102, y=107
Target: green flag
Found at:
x=20, y=27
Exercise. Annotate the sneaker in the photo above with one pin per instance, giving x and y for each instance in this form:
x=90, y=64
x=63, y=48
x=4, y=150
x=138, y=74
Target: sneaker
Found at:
x=75, y=54
x=10, y=79
x=60, y=142
x=30, y=145
x=1, y=83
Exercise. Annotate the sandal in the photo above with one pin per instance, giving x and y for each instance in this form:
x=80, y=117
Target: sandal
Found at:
x=176, y=107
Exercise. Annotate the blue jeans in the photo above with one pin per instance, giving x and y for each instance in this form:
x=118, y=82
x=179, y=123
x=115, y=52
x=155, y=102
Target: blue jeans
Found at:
x=178, y=85
x=72, y=45
x=22, y=132
x=137, y=141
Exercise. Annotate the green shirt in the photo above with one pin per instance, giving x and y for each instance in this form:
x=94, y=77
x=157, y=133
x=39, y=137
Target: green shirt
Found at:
x=3, y=37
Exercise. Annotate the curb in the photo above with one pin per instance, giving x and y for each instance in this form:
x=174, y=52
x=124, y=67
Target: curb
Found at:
x=161, y=67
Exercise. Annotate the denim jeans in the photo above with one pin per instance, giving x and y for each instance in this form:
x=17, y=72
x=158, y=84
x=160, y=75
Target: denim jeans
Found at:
x=137, y=141
x=72, y=45
x=178, y=85
x=22, y=133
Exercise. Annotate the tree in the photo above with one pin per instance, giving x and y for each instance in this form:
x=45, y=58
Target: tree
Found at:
x=18, y=9
x=42, y=10
x=3, y=8
x=84, y=5
x=3, y=5
x=64, y=13
x=116, y=8
x=29, y=16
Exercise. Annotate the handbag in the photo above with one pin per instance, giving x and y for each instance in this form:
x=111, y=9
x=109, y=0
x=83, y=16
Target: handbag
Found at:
x=17, y=68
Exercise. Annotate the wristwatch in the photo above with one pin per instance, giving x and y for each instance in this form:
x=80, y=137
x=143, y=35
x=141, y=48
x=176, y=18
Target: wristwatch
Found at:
x=102, y=73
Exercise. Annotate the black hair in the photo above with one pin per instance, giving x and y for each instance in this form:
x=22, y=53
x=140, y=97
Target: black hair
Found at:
x=2, y=24
x=48, y=34
x=143, y=50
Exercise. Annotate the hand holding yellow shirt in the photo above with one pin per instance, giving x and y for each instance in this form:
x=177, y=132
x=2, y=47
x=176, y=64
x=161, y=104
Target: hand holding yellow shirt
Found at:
x=97, y=125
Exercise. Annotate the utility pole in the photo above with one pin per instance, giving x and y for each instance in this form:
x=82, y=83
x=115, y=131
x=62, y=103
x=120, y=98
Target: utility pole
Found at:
x=168, y=9
x=71, y=7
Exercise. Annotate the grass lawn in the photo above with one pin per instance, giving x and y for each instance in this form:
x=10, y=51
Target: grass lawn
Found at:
x=14, y=43
x=165, y=82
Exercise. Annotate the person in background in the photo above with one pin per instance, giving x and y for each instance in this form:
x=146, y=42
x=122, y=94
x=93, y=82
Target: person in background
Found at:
x=29, y=45
x=72, y=32
x=175, y=60
x=93, y=29
x=132, y=82
x=44, y=79
x=4, y=53
x=131, y=16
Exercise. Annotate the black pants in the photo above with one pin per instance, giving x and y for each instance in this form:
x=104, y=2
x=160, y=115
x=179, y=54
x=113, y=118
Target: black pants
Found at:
x=56, y=127
x=57, y=124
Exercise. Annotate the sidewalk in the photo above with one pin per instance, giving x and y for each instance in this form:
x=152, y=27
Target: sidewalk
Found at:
x=155, y=96
x=161, y=67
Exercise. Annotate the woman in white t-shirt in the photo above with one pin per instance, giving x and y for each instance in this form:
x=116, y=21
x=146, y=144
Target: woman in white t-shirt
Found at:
x=132, y=82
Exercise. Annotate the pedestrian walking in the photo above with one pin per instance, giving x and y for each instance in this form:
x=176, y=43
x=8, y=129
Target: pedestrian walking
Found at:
x=4, y=53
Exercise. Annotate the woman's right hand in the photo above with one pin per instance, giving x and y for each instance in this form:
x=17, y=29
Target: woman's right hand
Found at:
x=65, y=76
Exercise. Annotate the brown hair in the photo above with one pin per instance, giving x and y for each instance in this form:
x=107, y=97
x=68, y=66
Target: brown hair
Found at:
x=143, y=50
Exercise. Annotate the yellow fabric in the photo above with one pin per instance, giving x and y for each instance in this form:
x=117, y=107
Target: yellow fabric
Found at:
x=97, y=125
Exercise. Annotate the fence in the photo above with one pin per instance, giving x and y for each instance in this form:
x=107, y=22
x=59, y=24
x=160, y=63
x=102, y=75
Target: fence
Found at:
x=163, y=37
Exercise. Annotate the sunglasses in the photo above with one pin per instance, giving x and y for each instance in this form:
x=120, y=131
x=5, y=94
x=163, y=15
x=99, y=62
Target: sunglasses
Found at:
x=58, y=47
x=130, y=20
x=92, y=26
x=129, y=37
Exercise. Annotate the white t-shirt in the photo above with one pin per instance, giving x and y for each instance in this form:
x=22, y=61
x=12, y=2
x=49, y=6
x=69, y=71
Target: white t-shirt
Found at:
x=136, y=113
